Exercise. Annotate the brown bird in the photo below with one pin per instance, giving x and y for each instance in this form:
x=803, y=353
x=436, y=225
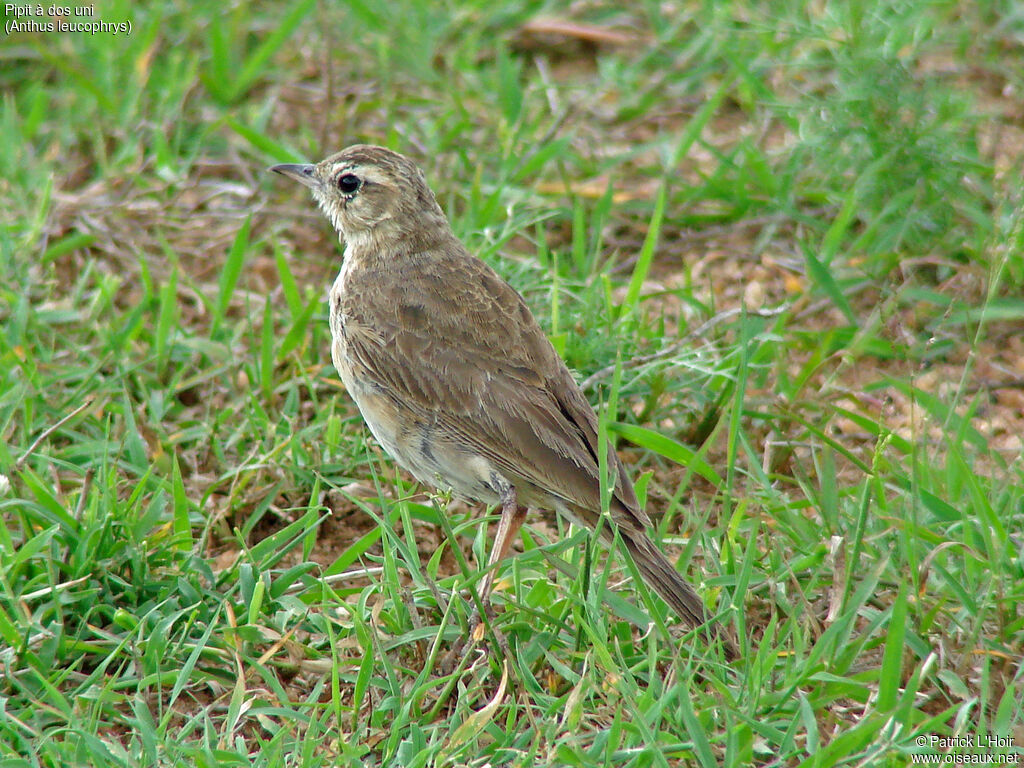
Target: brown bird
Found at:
x=452, y=373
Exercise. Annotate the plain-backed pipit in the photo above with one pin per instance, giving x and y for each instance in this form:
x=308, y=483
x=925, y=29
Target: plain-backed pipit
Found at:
x=451, y=371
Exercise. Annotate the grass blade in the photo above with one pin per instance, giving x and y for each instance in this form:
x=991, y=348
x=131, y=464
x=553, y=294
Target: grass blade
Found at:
x=230, y=274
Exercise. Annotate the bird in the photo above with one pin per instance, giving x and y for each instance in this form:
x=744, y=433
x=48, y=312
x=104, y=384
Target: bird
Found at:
x=454, y=376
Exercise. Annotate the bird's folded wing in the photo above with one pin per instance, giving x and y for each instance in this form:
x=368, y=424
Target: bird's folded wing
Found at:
x=486, y=372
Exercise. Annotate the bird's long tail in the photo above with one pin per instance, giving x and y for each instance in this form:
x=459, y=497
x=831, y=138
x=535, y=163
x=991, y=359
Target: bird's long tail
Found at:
x=664, y=579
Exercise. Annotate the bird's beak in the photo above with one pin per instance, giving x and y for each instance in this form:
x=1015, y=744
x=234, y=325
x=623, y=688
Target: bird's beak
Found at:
x=301, y=172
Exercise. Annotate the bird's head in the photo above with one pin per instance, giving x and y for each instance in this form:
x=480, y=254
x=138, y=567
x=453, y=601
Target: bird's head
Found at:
x=370, y=194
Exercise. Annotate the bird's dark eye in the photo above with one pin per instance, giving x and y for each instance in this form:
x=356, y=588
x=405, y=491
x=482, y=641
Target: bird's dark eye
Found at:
x=348, y=183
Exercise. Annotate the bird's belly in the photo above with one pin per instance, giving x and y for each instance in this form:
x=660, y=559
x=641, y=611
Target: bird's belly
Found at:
x=419, y=446
x=423, y=450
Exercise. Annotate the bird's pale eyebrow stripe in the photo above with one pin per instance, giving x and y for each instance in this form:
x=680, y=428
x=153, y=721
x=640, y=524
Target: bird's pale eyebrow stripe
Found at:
x=365, y=173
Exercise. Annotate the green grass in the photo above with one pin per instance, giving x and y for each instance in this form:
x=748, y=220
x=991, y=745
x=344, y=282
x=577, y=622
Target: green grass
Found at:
x=781, y=243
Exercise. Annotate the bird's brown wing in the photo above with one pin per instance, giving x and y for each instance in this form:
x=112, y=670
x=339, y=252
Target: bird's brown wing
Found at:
x=460, y=347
